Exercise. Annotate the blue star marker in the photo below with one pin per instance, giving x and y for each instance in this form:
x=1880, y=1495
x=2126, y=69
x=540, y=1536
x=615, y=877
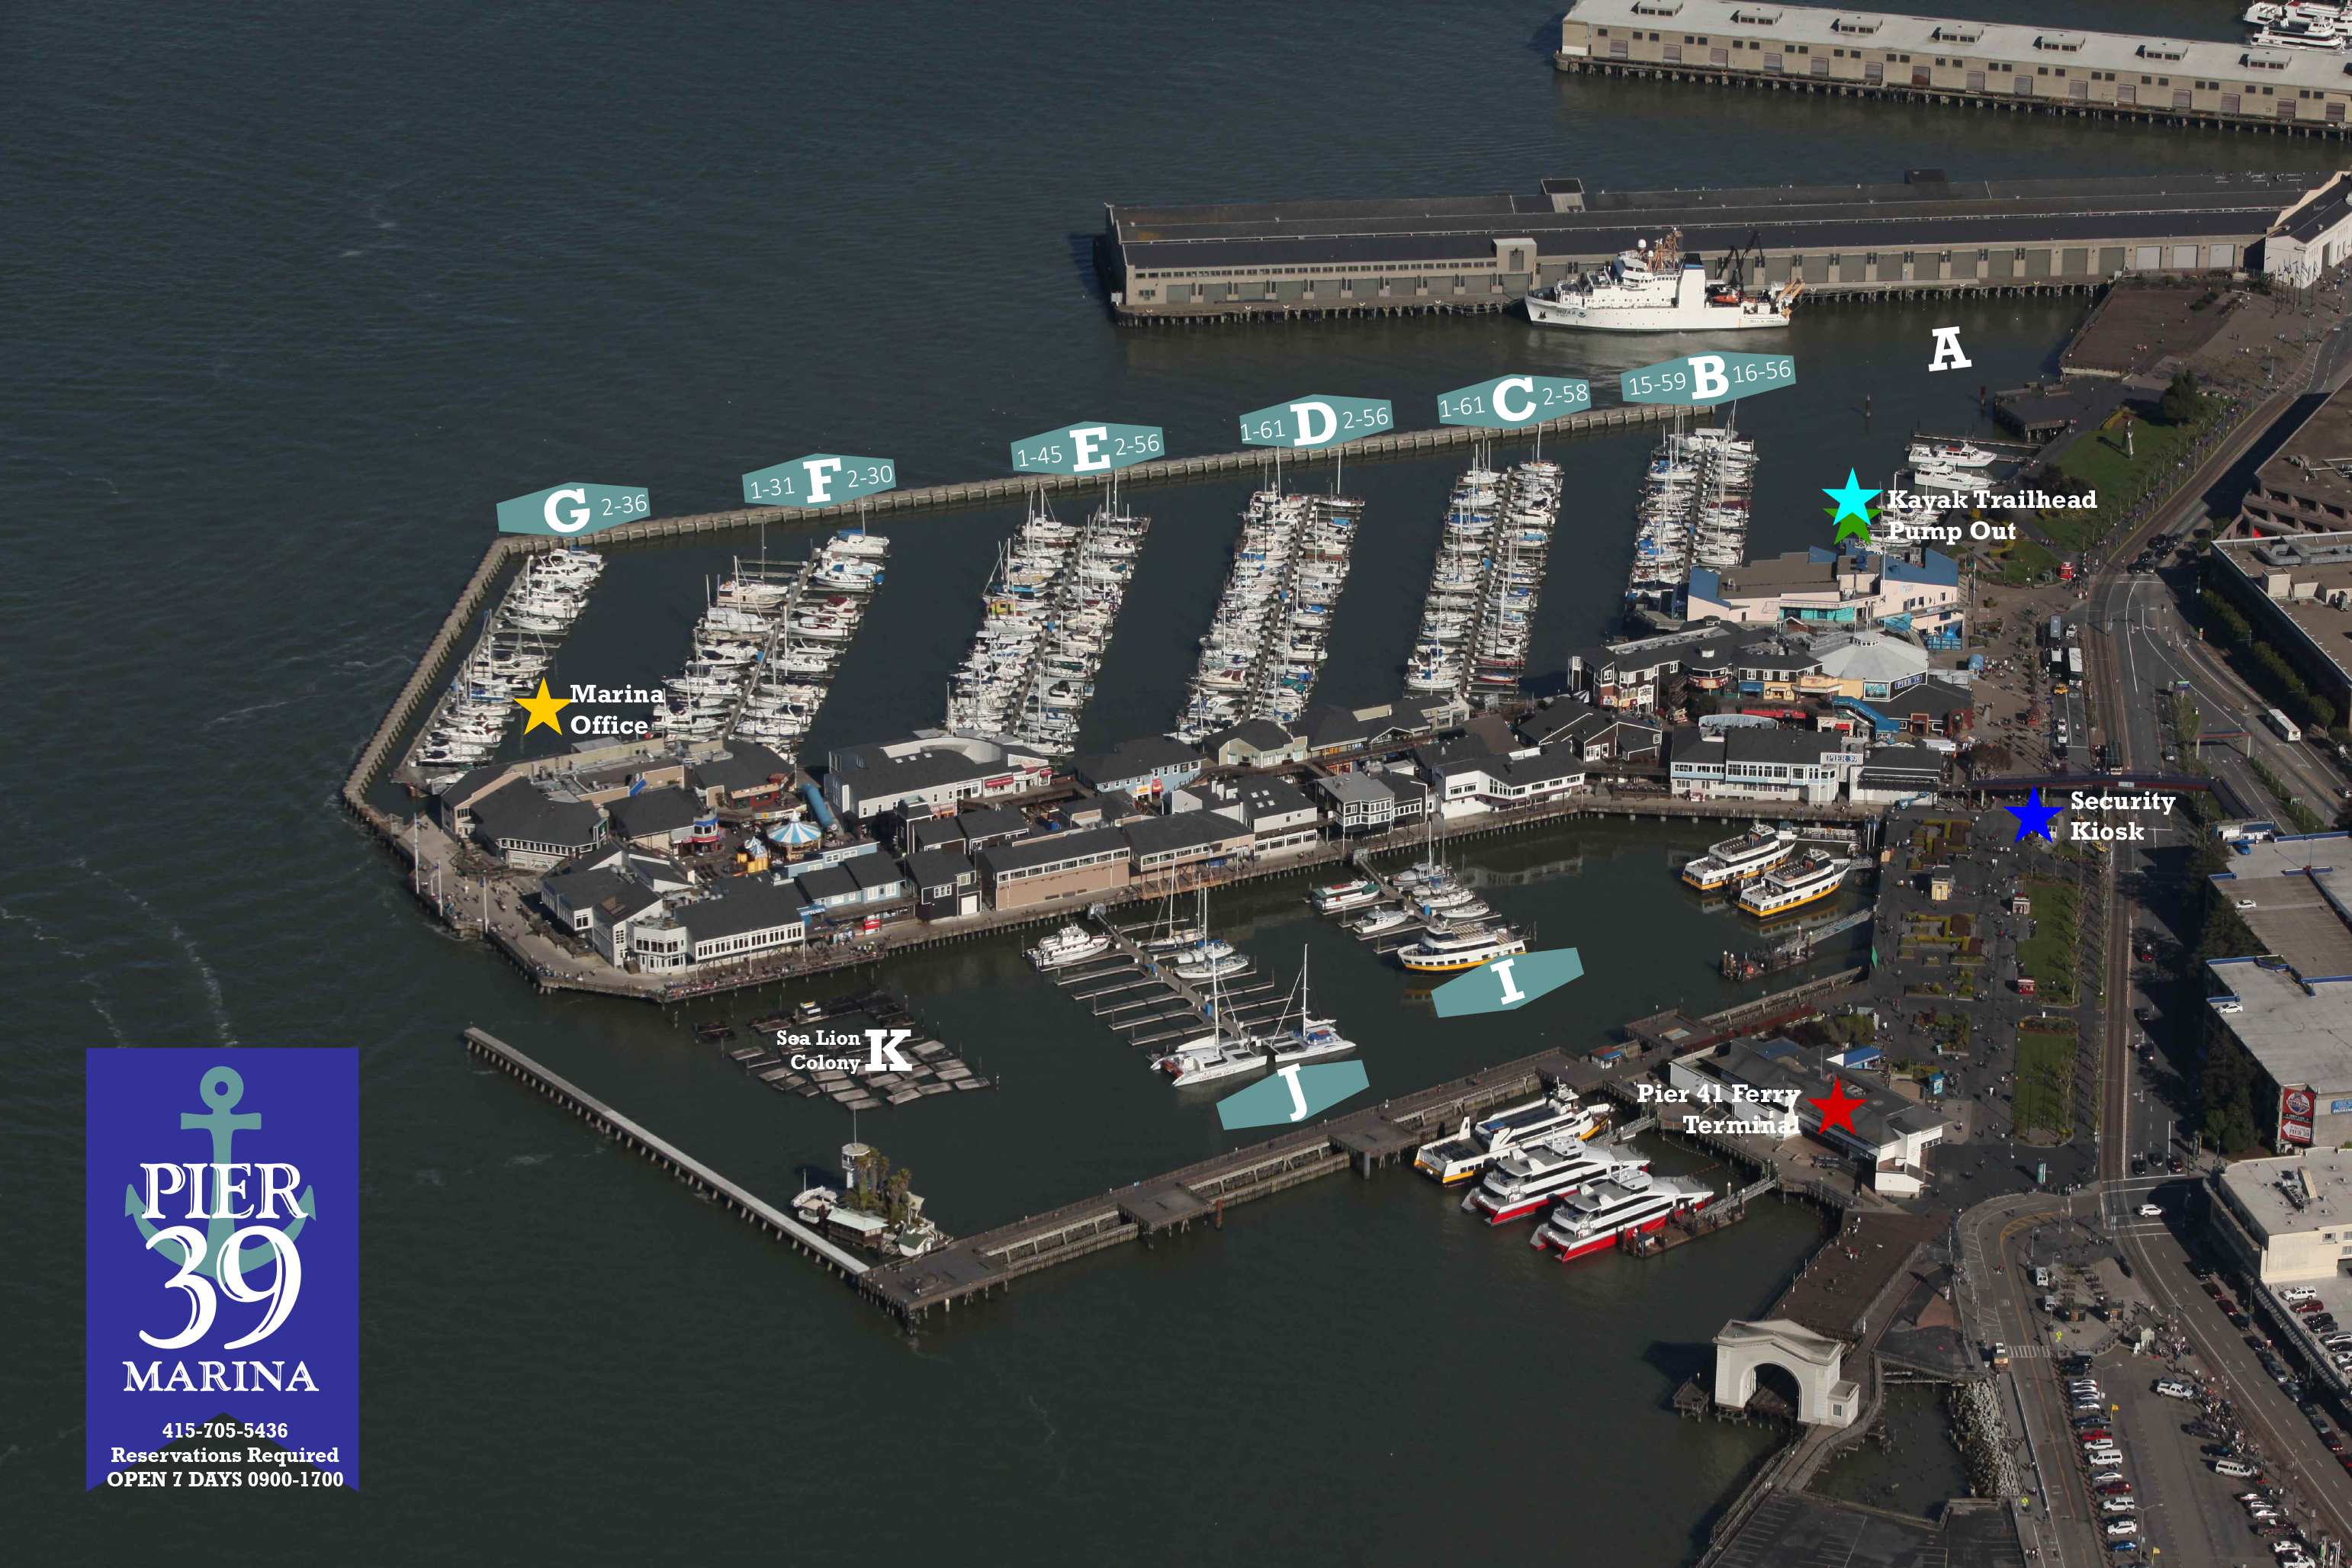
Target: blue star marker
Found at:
x=2034, y=819
x=1853, y=517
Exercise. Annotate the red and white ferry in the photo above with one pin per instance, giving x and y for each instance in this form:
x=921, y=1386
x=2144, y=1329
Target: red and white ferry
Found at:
x=1532, y=1175
x=1632, y=1202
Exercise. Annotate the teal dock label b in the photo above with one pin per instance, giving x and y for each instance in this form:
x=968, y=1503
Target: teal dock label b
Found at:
x=1701, y=381
x=1088, y=448
x=821, y=479
x=1317, y=420
x=1508, y=401
x=571, y=510
x=1504, y=984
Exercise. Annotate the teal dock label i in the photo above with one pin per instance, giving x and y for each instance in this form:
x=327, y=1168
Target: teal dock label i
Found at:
x=1701, y=381
x=1508, y=401
x=1088, y=448
x=570, y=510
x=1317, y=420
x=821, y=479
x=1505, y=984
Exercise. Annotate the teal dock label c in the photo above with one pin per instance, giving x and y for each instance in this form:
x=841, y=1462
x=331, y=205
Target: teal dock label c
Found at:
x=1701, y=381
x=570, y=510
x=1088, y=448
x=1294, y=1094
x=821, y=479
x=1508, y=401
x=1504, y=984
x=1317, y=420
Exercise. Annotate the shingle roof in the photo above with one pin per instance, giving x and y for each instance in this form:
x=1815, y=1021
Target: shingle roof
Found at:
x=523, y=813
x=650, y=811
x=747, y=766
x=742, y=904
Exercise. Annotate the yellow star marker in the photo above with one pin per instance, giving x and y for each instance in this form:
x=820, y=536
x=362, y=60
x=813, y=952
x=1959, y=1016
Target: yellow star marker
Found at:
x=542, y=709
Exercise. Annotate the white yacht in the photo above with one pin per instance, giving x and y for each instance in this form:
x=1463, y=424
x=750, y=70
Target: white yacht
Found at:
x=1071, y=944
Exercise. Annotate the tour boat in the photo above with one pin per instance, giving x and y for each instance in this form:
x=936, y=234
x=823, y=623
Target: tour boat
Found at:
x=1816, y=875
x=1633, y=1203
x=1650, y=289
x=1470, y=1149
x=1072, y=945
x=1533, y=1174
x=1740, y=859
x=1439, y=952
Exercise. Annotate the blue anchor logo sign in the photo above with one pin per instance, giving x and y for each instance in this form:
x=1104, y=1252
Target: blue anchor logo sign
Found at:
x=222, y=1089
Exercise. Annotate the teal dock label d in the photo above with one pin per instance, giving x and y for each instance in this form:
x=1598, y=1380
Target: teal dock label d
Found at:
x=1317, y=420
x=821, y=479
x=571, y=510
x=1508, y=401
x=1294, y=1094
x=1088, y=448
x=1504, y=984
x=1700, y=381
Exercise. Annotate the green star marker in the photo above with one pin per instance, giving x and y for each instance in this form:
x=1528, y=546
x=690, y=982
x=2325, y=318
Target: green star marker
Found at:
x=1853, y=518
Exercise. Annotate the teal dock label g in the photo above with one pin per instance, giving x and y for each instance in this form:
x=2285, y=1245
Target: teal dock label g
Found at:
x=1701, y=381
x=1508, y=401
x=1088, y=449
x=568, y=512
x=821, y=479
x=1317, y=420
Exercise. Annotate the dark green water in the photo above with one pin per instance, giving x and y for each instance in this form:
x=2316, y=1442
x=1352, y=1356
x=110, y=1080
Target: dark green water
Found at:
x=297, y=293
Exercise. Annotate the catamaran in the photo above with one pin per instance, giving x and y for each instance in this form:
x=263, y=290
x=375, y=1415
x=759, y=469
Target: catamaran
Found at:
x=1632, y=1202
x=1533, y=1174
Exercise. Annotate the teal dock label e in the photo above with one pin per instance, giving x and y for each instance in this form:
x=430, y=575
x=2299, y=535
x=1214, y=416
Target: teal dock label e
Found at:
x=571, y=510
x=1294, y=1094
x=1088, y=448
x=821, y=479
x=1503, y=984
x=1701, y=381
x=1317, y=420
x=1508, y=401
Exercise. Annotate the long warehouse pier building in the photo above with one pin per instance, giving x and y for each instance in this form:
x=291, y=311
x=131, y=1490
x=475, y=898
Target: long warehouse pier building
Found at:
x=1927, y=234
x=1941, y=59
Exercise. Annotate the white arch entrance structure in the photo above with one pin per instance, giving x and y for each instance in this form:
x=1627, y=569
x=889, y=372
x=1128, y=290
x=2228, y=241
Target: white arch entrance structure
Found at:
x=1823, y=1397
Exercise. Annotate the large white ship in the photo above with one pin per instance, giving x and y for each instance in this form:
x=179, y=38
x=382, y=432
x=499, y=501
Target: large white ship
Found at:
x=1634, y=1202
x=1470, y=1149
x=1647, y=290
x=1533, y=1174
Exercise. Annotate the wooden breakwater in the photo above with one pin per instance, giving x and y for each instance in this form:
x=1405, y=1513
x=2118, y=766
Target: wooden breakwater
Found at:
x=684, y=1166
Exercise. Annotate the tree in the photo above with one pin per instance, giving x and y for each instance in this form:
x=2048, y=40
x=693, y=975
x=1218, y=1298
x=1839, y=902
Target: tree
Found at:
x=2181, y=401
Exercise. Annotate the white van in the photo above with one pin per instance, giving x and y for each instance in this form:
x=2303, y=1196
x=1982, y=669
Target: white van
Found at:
x=2232, y=1468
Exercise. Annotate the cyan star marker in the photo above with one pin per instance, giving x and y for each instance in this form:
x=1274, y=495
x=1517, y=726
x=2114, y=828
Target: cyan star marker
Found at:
x=1853, y=518
x=2033, y=819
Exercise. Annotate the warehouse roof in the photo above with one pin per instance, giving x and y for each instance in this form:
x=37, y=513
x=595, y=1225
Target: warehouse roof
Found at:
x=1779, y=217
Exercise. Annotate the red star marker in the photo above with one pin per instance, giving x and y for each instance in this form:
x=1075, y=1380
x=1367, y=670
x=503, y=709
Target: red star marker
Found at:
x=1836, y=1108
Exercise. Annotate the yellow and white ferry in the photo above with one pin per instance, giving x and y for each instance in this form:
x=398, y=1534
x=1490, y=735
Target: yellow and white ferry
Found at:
x=1817, y=876
x=1742, y=859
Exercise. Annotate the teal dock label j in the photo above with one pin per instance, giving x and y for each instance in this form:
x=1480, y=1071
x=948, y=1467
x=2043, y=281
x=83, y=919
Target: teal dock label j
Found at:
x=1294, y=1094
x=1508, y=401
x=570, y=510
x=1088, y=448
x=1701, y=381
x=1505, y=984
x=821, y=479
x=1317, y=419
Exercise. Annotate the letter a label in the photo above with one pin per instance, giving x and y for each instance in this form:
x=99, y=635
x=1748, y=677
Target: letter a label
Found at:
x=1948, y=350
